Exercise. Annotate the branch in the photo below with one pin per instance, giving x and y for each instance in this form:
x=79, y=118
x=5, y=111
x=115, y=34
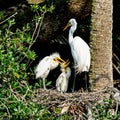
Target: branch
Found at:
x=116, y=68
x=8, y=18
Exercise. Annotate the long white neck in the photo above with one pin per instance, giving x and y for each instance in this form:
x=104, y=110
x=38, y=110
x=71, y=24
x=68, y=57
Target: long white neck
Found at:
x=71, y=32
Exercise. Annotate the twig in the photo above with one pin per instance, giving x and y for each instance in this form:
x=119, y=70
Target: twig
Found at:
x=116, y=68
x=116, y=108
x=13, y=93
x=26, y=91
x=114, y=55
x=38, y=25
x=7, y=110
x=8, y=18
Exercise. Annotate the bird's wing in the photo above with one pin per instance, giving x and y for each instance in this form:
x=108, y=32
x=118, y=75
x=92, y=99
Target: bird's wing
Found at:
x=53, y=64
x=59, y=82
x=60, y=78
x=80, y=52
x=43, y=62
x=62, y=83
x=43, y=68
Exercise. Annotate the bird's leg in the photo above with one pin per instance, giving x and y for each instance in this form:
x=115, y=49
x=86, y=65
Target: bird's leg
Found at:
x=86, y=81
x=44, y=84
x=73, y=89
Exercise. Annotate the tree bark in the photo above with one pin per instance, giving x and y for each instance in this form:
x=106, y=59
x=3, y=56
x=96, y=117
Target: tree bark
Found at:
x=101, y=44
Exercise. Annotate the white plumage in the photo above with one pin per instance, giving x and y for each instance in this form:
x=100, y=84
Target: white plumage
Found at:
x=81, y=55
x=63, y=79
x=79, y=49
x=45, y=65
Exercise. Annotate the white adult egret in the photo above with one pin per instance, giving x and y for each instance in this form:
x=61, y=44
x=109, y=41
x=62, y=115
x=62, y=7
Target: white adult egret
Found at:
x=45, y=65
x=63, y=79
x=79, y=49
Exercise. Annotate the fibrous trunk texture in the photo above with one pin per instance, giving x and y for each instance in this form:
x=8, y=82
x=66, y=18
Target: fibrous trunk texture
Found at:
x=101, y=44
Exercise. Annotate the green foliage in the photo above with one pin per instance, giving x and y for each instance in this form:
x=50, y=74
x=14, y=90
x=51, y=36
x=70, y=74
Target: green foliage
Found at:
x=39, y=84
x=15, y=55
x=18, y=99
x=14, y=48
x=43, y=9
x=102, y=111
x=16, y=96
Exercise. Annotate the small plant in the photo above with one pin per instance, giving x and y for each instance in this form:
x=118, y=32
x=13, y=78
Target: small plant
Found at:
x=17, y=97
x=15, y=56
x=102, y=111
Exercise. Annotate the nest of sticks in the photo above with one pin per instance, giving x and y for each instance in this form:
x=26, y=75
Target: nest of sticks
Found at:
x=78, y=104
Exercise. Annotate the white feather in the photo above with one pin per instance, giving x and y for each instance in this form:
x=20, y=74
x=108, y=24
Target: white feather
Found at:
x=63, y=79
x=45, y=65
x=79, y=49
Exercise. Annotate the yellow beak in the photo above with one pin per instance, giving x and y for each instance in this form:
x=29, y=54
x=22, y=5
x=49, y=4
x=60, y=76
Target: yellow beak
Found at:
x=66, y=63
x=59, y=60
x=68, y=25
x=62, y=62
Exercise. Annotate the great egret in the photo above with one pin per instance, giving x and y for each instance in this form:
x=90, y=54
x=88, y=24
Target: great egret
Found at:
x=63, y=79
x=79, y=49
x=45, y=65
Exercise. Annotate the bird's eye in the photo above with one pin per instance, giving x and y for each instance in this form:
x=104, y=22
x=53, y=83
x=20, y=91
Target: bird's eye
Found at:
x=54, y=59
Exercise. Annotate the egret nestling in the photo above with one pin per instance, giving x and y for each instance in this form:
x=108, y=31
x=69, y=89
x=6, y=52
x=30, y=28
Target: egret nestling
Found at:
x=79, y=49
x=47, y=64
x=63, y=79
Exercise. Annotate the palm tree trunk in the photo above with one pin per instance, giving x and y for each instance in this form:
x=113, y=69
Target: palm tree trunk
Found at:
x=101, y=44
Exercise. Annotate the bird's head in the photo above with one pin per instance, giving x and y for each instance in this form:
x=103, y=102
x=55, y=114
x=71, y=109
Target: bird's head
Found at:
x=52, y=62
x=72, y=22
x=64, y=64
x=55, y=55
